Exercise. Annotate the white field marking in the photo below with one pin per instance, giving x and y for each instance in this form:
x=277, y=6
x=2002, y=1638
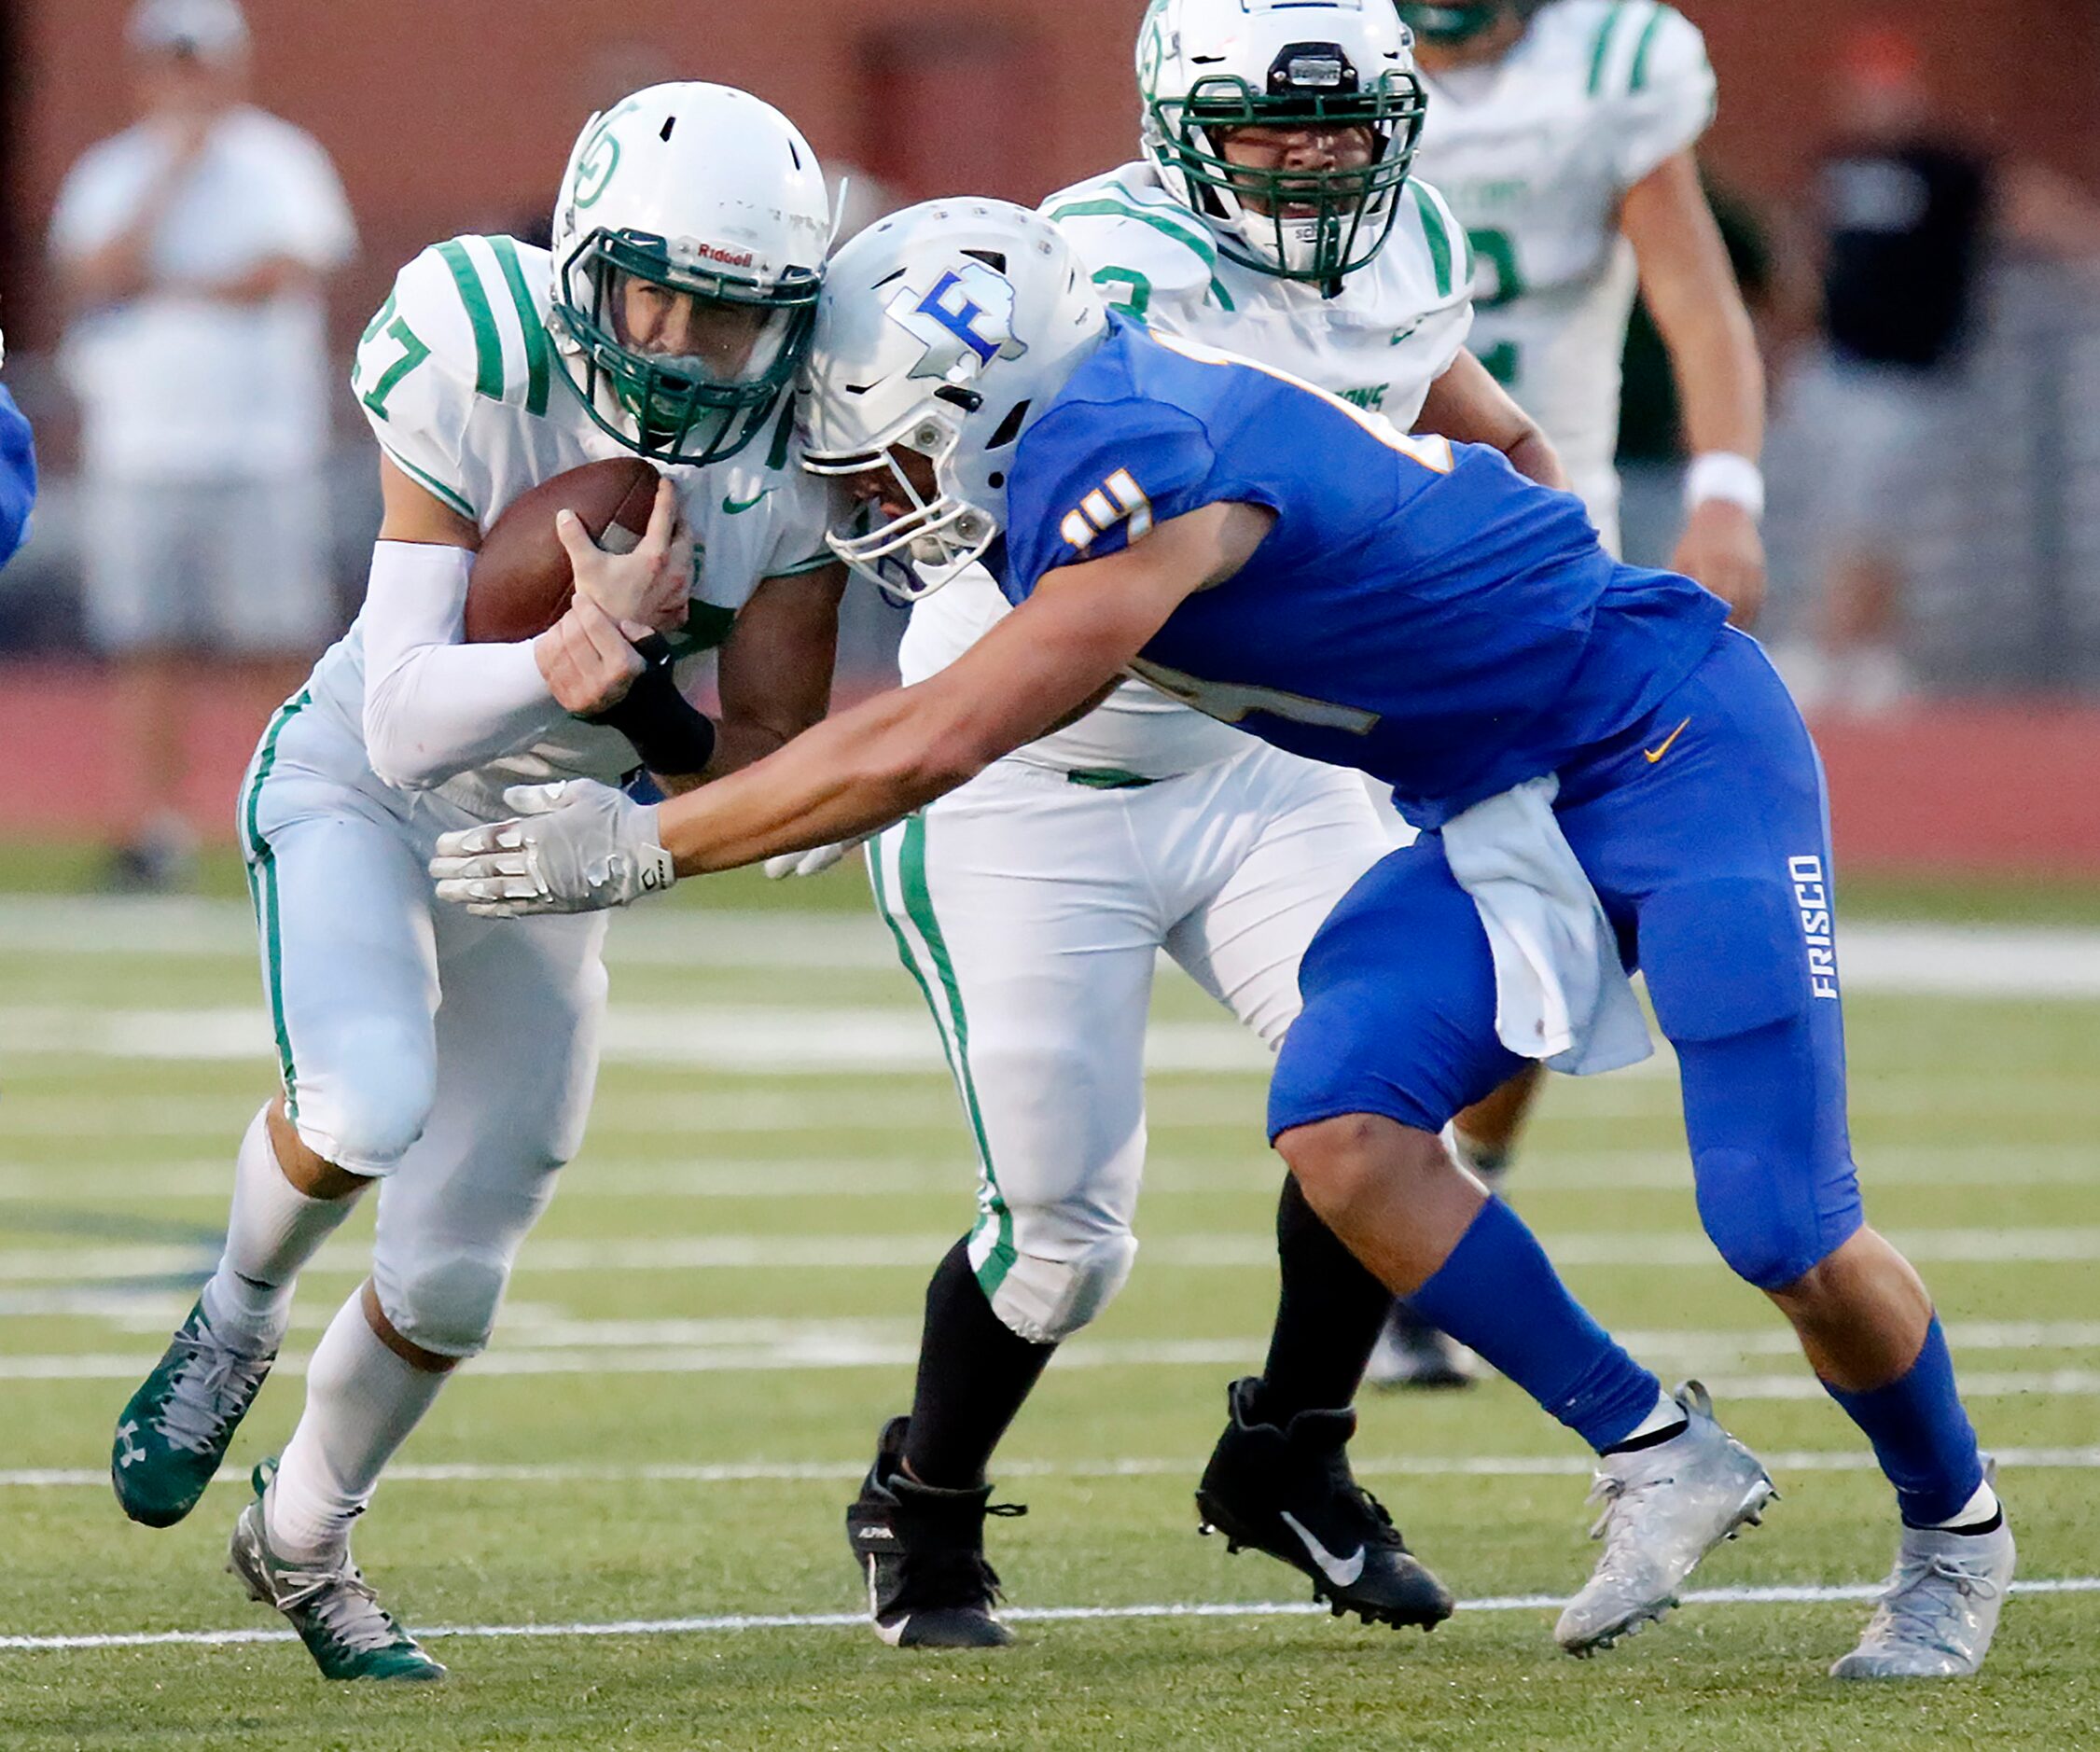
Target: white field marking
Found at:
x=782, y=1040
x=1946, y=960
x=843, y=1471
x=894, y=1041
x=850, y=1349
x=1175, y=1173
x=1808, y=1594
x=134, y=927
x=55, y=1264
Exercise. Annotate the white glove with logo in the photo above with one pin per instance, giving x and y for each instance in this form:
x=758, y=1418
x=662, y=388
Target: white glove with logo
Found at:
x=577, y=846
x=816, y=861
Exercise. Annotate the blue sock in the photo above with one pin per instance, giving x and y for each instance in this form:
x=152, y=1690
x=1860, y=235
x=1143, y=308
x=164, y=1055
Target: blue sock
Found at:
x=1921, y=1435
x=1499, y=1294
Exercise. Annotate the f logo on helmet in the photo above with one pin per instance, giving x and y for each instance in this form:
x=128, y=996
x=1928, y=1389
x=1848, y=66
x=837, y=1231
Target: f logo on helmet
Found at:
x=965, y=321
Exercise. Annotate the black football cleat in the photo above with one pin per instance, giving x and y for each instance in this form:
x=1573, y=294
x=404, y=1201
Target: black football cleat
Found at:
x=922, y=1550
x=1289, y=1493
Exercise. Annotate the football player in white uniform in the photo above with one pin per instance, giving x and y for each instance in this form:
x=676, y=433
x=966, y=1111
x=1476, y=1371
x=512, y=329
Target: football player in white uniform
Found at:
x=1271, y=214
x=1561, y=133
x=667, y=321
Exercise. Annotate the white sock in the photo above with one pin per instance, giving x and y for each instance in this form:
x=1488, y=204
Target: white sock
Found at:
x=1668, y=1414
x=361, y=1402
x=274, y=1229
x=1980, y=1510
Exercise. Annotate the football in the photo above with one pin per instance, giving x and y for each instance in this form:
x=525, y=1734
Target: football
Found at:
x=521, y=583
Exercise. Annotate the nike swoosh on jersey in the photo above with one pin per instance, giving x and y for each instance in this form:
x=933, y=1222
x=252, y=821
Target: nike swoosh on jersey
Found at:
x=733, y=508
x=1655, y=754
x=1343, y=1572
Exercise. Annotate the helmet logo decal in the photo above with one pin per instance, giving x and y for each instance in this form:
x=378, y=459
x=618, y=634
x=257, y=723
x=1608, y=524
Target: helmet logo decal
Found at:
x=965, y=321
x=599, y=156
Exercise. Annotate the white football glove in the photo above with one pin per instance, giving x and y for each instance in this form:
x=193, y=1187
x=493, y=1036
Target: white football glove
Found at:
x=816, y=861
x=577, y=846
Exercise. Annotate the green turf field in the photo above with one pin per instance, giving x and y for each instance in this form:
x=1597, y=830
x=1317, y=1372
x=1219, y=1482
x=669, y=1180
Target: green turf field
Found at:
x=722, y=1307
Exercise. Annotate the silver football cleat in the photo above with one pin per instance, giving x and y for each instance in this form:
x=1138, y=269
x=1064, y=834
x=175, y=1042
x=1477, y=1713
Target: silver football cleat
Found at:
x=1936, y=1618
x=1664, y=1509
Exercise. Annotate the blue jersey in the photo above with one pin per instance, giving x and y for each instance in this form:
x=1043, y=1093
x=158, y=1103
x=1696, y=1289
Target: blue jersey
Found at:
x=17, y=476
x=1419, y=610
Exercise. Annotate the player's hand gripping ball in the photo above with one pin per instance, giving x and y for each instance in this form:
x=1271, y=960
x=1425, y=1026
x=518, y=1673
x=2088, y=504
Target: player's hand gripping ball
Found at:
x=577, y=846
x=525, y=570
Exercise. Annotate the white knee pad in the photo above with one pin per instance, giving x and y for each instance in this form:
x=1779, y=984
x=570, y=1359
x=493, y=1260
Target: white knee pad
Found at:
x=1047, y=1300
x=444, y=1300
x=366, y=1111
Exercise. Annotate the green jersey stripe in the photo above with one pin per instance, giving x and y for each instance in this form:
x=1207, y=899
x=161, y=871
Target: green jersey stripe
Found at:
x=451, y=495
x=529, y=320
x=918, y=903
x=487, y=344
x=1641, y=49
x=1605, y=34
x=263, y=895
x=1106, y=209
x=1433, y=228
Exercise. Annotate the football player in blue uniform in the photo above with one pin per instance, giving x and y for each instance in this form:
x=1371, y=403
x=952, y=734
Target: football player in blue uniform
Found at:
x=1605, y=773
x=18, y=473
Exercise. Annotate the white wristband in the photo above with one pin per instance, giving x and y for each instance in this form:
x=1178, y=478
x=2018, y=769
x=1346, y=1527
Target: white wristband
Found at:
x=1725, y=475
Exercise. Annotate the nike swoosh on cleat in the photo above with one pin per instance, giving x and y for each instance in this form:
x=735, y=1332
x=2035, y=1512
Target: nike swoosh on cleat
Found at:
x=1655, y=755
x=1343, y=1571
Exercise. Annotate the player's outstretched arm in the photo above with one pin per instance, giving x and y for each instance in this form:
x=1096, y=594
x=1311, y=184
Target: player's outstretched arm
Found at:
x=866, y=767
x=1466, y=405
x=1698, y=307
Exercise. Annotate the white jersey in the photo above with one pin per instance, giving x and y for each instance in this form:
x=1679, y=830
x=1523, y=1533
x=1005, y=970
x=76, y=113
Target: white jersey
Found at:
x=1535, y=154
x=1393, y=328
x=458, y=375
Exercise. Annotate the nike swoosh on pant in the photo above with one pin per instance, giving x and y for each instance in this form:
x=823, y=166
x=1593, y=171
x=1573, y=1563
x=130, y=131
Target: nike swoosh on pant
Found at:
x=1341, y=1572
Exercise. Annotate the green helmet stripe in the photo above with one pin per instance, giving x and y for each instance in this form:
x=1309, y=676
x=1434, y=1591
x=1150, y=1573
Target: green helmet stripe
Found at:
x=1605, y=34
x=528, y=320
x=487, y=344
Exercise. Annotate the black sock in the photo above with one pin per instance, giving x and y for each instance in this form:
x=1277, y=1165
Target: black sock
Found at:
x=974, y=1374
x=1328, y=1316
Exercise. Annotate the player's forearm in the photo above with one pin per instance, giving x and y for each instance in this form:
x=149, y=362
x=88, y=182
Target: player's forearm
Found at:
x=847, y=776
x=1467, y=406
x=1720, y=377
x=434, y=707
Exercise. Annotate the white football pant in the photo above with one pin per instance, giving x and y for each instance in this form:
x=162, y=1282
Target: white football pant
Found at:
x=451, y=1057
x=1031, y=910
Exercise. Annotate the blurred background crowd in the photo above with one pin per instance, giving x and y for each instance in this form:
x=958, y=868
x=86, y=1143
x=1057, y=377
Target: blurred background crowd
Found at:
x=203, y=207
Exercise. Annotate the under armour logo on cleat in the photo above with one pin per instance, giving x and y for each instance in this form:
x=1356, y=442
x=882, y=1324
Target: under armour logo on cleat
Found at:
x=125, y=1431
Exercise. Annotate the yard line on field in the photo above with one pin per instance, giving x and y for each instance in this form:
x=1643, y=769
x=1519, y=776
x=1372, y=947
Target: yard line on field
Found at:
x=1940, y=959
x=844, y=1471
x=816, y=1351
x=784, y=1040
x=880, y=1174
x=1804, y=1595
x=57, y=1264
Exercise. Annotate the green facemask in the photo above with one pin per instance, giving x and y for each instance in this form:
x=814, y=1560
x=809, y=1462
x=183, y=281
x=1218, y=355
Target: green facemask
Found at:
x=1337, y=219
x=1456, y=22
x=687, y=407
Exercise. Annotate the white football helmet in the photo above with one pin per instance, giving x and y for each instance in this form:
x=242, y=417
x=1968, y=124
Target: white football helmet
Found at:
x=1206, y=68
x=945, y=329
x=689, y=250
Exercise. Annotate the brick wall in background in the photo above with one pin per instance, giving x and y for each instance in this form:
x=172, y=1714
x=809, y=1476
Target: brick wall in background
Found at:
x=451, y=114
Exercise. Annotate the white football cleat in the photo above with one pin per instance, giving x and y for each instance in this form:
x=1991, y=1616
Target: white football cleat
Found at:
x=1940, y=1610
x=1665, y=1508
